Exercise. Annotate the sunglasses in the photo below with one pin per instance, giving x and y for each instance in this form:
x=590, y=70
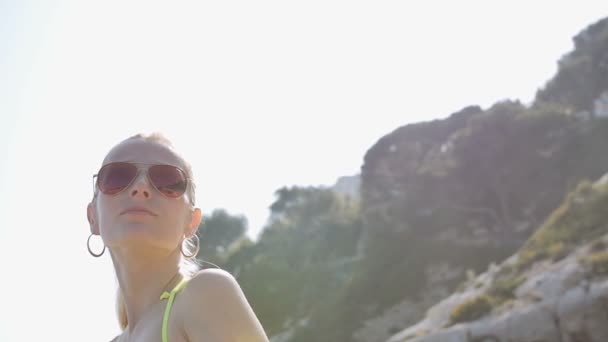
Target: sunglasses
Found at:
x=169, y=180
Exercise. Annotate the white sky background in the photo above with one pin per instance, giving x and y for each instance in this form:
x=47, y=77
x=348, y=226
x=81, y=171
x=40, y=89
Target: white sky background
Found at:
x=257, y=94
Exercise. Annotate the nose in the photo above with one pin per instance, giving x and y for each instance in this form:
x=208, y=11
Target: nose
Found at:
x=141, y=186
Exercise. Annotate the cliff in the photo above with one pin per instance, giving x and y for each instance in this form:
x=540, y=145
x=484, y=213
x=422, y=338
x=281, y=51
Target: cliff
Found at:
x=554, y=289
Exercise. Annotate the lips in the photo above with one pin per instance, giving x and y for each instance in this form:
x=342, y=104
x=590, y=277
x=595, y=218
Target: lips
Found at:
x=139, y=211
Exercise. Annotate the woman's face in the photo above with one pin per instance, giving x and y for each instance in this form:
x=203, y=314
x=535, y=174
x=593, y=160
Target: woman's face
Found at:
x=173, y=219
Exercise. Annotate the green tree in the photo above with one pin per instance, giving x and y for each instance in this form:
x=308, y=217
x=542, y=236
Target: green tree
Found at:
x=217, y=233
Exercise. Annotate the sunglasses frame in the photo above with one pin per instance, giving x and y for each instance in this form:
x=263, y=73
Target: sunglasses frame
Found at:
x=140, y=167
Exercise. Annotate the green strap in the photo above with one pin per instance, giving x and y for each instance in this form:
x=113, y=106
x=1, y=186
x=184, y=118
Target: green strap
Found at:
x=171, y=297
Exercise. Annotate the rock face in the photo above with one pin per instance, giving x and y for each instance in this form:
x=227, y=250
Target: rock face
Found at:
x=562, y=302
x=410, y=310
x=468, y=190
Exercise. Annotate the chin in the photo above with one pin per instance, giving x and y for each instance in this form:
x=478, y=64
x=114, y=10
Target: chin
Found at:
x=131, y=234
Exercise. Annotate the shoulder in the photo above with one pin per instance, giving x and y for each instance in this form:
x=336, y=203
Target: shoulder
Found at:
x=214, y=281
x=215, y=305
x=211, y=287
x=206, y=289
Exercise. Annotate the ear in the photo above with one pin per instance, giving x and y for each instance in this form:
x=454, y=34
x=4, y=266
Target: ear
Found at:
x=91, y=217
x=196, y=217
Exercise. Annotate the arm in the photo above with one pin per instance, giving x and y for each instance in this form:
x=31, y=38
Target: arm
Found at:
x=217, y=308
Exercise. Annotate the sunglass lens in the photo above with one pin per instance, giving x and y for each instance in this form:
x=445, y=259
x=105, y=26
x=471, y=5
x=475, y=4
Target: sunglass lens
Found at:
x=168, y=179
x=114, y=177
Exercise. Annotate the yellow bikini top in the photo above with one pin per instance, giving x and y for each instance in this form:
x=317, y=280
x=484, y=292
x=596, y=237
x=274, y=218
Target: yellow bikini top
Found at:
x=171, y=296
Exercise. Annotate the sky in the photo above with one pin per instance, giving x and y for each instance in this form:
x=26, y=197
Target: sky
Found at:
x=257, y=95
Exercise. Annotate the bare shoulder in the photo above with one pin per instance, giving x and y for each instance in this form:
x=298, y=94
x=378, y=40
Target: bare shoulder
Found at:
x=215, y=305
x=213, y=280
x=211, y=287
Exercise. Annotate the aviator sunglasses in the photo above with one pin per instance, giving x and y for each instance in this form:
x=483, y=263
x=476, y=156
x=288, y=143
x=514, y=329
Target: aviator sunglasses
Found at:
x=169, y=180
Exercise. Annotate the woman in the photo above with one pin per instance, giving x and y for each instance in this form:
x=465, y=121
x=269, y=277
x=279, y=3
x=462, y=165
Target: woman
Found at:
x=143, y=210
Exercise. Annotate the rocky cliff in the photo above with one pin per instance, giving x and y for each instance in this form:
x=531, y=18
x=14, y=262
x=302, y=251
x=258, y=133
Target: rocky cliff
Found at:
x=554, y=289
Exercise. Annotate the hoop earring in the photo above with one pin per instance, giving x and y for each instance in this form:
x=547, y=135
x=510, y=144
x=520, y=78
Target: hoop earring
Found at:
x=89, y=248
x=198, y=247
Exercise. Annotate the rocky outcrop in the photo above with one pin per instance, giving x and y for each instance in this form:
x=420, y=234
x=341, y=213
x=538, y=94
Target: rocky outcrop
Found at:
x=562, y=302
x=408, y=311
x=555, y=288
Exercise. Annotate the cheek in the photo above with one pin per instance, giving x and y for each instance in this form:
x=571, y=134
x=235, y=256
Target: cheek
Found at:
x=172, y=220
x=178, y=218
x=168, y=229
x=106, y=215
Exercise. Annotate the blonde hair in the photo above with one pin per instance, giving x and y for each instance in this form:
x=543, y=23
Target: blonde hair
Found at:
x=187, y=267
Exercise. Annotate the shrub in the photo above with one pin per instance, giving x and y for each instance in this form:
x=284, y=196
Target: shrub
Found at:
x=572, y=223
x=557, y=251
x=504, y=289
x=471, y=310
x=598, y=263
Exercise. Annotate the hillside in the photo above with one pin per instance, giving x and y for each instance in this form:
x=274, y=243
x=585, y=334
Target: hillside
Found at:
x=554, y=289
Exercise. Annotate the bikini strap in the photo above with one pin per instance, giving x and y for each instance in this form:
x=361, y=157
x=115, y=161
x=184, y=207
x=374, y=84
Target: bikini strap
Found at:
x=171, y=297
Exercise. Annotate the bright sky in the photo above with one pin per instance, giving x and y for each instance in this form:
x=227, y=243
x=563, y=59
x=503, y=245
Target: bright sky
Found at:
x=257, y=94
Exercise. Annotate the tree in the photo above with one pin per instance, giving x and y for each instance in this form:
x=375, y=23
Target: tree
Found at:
x=217, y=233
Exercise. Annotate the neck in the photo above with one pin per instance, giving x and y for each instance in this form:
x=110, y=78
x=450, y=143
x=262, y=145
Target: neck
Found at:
x=143, y=278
